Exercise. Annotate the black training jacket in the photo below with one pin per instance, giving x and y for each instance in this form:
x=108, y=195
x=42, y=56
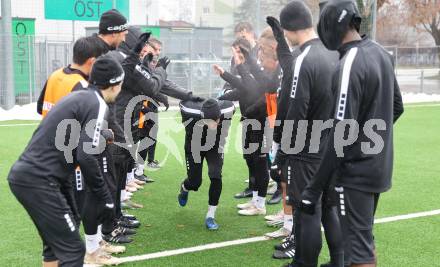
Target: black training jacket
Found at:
x=366, y=89
x=191, y=118
x=310, y=99
x=43, y=163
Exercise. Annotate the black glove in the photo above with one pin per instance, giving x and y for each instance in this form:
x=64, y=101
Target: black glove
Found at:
x=197, y=98
x=146, y=109
x=163, y=62
x=276, y=28
x=309, y=198
x=275, y=172
x=164, y=100
x=142, y=40
x=147, y=60
x=108, y=135
x=280, y=159
x=108, y=212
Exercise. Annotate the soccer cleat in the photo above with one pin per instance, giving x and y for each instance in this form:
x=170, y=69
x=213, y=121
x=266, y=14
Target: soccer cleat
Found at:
x=99, y=257
x=183, y=196
x=125, y=231
x=135, y=185
x=252, y=211
x=245, y=194
x=117, y=237
x=275, y=217
x=111, y=249
x=139, y=182
x=276, y=198
x=246, y=205
x=153, y=164
x=277, y=224
x=130, y=189
x=285, y=243
x=272, y=189
x=285, y=254
x=131, y=205
x=127, y=223
x=144, y=178
x=129, y=217
x=211, y=224
x=280, y=233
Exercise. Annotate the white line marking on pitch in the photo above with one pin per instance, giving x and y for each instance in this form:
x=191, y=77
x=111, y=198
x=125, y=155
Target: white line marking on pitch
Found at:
x=256, y=239
x=22, y=124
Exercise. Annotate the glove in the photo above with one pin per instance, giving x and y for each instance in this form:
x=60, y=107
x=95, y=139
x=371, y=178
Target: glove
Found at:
x=309, y=198
x=164, y=100
x=108, y=135
x=146, y=109
x=147, y=60
x=163, y=62
x=275, y=173
x=108, y=212
x=280, y=158
x=276, y=28
x=197, y=98
x=142, y=40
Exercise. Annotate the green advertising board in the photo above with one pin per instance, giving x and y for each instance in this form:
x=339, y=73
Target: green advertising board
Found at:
x=155, y=31
x=83, y=10
x=23, y=33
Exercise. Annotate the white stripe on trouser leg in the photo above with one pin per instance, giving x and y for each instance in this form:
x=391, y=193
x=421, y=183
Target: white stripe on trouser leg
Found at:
x=69, y=222
x=78, y=178
x=340, y=190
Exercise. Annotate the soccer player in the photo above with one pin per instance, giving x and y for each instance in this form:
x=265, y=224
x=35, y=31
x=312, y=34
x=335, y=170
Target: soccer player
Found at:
x=206, y=127
x=112, y=29
x=309, y=101
x=244, y=31
x=366, y=95
x=40, y=179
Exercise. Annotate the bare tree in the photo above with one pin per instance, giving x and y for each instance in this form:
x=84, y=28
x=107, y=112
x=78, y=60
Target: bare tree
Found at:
x=390, y=29
x=424, y=15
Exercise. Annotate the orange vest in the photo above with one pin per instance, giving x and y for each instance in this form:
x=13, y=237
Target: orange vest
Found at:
x=271, y=108
x=142, y=115
x=58, y=86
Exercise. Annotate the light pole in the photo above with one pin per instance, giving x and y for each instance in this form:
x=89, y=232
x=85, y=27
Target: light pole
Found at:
x=6, y=56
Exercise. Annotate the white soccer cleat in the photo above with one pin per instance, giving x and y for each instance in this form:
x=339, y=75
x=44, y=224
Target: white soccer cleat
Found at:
x=99, y=257
x=280, y=233
x=246, y=205
x=252, y=211
x=275, y=217
x=111, y=249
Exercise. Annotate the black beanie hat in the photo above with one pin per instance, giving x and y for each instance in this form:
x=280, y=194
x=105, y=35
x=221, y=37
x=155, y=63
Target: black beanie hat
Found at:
x=132, y=36
x=106, y=72
x=296, y=16
x=211, y=109
x=112, y=21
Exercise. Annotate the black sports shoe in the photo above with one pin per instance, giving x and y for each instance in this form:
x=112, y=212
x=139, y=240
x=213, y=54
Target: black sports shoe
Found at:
x=125, y=231
x=144, y=178
x=285, y=243
x=276, y=198
x=129, y=217
x=127, y=223
x=285, y=254
x=245, y=194
x=117, y=237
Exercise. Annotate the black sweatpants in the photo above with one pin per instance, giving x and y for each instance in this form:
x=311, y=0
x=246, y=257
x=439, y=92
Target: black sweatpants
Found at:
x=121, y=160
x=53, y=218
x=194, y=173
x=92, y=216
x=332, y=227
x=256, y=159
x=307, y=227
x=356, y=213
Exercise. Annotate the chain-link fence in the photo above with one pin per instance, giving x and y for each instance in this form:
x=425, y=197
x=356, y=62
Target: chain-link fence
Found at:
x=35, y=58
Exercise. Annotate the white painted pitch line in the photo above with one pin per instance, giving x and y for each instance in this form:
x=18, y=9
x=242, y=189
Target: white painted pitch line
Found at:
x=20, y=124
x=175, y=252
